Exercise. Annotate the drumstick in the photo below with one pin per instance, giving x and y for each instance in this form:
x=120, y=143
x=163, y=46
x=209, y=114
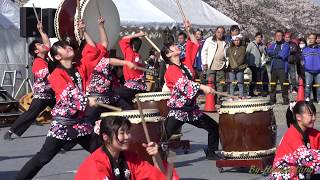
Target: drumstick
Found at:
x=99, y=12
x=170, y=166
x=35, y=12
x=181, y=10
x=78, y=9
x=157, y=161
x=109, y=107
x=225, y=94
x=152, y=43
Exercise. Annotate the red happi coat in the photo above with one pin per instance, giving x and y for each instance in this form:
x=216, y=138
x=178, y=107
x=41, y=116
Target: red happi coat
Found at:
x=98, y=167
x=132, y=76
x=69, y=98
x=292, y=154
x=182, y=89
x=41, y=85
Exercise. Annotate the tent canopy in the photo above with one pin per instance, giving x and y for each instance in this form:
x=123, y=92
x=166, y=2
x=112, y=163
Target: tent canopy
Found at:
x=158, y=14
x=200, y=14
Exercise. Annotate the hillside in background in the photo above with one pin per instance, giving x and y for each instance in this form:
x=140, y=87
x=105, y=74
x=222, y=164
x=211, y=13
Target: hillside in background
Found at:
x=300, y=16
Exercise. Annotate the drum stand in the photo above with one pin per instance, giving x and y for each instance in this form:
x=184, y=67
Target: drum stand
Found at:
x=257, y=166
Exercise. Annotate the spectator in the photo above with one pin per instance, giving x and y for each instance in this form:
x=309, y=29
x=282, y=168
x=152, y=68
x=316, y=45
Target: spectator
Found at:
x=182, y=45
x=300, y=65
x=237, y=56
x=256, y=59
x=198, y=64
x=213, y=58
x=292, y=61
x=234, y=31
x=318, y=39
x=279, y=52
x=311, y=60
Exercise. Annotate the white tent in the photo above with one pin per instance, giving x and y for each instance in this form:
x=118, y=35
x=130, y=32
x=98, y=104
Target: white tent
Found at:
x=200, y=14
x=12, y=46
x=158, y=13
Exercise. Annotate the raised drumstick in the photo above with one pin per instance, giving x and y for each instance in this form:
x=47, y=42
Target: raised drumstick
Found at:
x=152, y=43
x=35, y=12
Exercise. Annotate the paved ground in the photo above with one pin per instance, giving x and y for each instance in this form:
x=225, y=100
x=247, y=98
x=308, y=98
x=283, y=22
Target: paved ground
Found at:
x=14, y=154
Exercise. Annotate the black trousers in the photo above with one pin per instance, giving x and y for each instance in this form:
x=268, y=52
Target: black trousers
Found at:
x=204, y=122
x=27, y=118
x=258, y=74
x=281, y=75
x=127, y=94
x=50, y=148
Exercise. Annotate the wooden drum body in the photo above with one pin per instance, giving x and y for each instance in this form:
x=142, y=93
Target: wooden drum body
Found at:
x=154, y=100
x=247, y=129
x=154, y=123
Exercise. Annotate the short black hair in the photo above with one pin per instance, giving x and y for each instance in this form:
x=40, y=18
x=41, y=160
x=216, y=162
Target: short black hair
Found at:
x=135, y=43
x=110, y=126
x=55, y=46
x=32, y=47
x=258, y=34
x=201, y=32
x=164, y=51
x=234, y=27
x=182, y=34
x=279, y=31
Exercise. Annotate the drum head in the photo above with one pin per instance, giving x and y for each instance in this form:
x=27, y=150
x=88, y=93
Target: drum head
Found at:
x=90, y=14
x=64, y=19
x=150, y=115
x=154, y=96
x=245, y=106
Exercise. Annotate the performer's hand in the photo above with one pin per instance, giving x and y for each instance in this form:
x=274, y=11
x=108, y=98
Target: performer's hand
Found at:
x=187, y=24
x=206, y=89
x=92, y=101
x=142, y=33
x=82, y=25
x=101, y=20
x=151, y=148
x=130, y=65
x=39, y=26
x=96, y=128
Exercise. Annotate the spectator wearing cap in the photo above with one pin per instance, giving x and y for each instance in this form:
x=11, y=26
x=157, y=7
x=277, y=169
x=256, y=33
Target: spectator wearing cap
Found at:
x=236, y=54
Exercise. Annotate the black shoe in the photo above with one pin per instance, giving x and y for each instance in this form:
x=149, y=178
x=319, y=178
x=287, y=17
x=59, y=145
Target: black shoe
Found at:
x=7, y=136
x=211, y=155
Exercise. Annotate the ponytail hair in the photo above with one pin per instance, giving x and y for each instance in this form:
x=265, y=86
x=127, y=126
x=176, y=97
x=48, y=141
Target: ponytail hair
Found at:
x=299, y=108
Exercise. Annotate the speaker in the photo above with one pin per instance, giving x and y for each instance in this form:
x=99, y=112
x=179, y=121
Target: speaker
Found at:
x=48, y=21
x=28, y=22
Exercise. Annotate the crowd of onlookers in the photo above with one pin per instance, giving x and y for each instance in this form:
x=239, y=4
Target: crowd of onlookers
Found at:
x=228, y=58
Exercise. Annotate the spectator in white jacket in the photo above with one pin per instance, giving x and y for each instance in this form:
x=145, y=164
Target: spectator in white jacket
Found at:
x=213, y=57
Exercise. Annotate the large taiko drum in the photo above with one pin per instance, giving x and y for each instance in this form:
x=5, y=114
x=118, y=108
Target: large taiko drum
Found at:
x=154, y=123
x=66, y=19
x=247, y=129
x=154, y=100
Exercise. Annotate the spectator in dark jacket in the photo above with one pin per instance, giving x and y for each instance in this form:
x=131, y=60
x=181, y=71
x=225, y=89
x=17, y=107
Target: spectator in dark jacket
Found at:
x=311, y=59
x=300, y=65
x=198, y=34
x=292, y=61
x=279, y=52
x=234, y=31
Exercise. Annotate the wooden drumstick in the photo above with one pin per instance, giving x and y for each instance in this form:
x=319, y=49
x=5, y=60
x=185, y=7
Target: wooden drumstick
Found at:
x=157, y=161
x=35, y=12
x=152, y=43
x=110, y=107
x=78, y=9
x=225, y=94
x=181, y=10
x=98, y=9
x=170, y=166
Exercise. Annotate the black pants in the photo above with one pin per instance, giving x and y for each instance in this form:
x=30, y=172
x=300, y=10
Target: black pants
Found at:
x=27, y=118
x=127, y=94
x=258, y=74
x=50, y=148
x=281, y=75
x=204, y=122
